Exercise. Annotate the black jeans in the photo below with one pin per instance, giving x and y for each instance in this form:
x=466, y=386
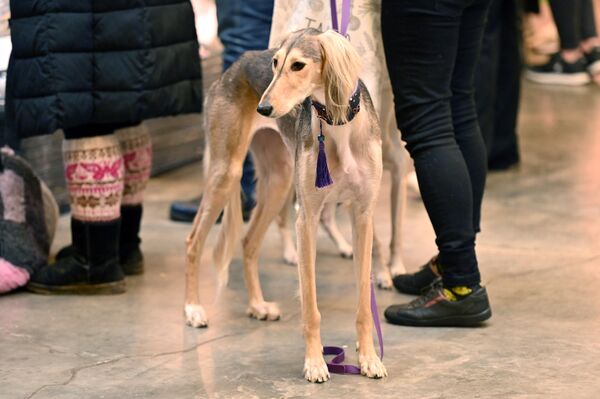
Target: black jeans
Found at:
x=498, y=83
x=432, y=47
x=574, y=21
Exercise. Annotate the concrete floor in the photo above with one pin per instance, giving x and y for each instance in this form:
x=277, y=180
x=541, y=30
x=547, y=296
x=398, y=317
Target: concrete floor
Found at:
x=539, y=255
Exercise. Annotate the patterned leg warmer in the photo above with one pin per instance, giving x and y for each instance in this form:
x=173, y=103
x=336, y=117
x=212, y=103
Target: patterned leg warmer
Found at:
x=137, y=156
x=94, y=173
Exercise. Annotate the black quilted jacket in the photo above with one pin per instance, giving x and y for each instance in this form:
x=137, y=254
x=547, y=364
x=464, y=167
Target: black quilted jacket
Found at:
x=84, y=62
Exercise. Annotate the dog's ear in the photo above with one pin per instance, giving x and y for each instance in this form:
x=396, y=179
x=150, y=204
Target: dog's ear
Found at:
x=340, y=69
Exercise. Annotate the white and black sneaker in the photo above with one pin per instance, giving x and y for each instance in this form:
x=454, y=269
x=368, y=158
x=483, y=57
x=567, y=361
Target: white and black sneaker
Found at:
x=559, y=72
x=593, y=61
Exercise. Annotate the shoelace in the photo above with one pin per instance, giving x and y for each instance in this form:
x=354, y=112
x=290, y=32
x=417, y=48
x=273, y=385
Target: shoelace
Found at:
x=434, y=292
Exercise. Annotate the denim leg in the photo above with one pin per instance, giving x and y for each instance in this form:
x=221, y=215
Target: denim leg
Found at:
x=244, y=25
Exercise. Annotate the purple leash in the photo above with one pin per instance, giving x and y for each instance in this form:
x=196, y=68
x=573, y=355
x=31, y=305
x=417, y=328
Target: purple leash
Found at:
x=335, y=365
x=346, y=5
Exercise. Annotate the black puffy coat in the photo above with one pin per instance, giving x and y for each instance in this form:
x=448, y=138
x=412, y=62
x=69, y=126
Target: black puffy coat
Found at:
x=91, y=62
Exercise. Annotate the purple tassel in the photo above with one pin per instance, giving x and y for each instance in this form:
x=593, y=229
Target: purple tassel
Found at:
x=323, y=177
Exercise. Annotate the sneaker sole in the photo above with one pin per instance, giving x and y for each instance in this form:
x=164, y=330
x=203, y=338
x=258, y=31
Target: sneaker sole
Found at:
x=571, y=79
x=594, y=68
x=117, y=287
x=473, y=320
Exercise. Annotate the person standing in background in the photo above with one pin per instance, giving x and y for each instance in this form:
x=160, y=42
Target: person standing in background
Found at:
x=579, y=55
x=243, y=25
x=498, y=84
x=96, y=70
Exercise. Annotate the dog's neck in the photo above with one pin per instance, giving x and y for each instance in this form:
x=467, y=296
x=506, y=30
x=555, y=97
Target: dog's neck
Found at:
x=318, y=102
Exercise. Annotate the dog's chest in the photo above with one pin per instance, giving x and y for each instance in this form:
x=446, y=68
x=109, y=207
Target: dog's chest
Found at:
x=341, y=154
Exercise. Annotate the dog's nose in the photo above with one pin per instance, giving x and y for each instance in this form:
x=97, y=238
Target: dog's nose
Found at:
x=264, y=109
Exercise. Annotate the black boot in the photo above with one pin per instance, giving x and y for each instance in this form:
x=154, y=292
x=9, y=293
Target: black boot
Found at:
x=92, y=268
x=130, y=255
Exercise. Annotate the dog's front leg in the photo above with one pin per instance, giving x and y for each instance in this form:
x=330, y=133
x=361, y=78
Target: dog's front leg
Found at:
x=315, y=368
x=362, y=234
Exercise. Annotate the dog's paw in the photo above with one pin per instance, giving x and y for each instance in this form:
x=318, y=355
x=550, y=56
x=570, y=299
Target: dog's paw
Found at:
x=397, y=267
x=346, y=251
x=195, y=316
x=315, y=369
x=264, y=311
x=371, y=366
x=290, y=256
x=384, y=280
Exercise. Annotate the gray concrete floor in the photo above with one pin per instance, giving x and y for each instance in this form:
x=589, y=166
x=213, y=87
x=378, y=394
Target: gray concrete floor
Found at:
x=539, y=254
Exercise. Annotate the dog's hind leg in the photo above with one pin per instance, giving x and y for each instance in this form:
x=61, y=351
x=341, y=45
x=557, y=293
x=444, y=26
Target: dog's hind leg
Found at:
x=228, y=237
x=273, y=163
x=228, y=140
x=395, y=159
x=362, y=240
x=382, y=271
x=217, y=191
x=290, y=256
x=329, y=223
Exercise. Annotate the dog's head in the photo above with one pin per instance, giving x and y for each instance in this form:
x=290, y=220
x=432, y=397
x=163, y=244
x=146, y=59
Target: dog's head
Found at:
x=306, y=61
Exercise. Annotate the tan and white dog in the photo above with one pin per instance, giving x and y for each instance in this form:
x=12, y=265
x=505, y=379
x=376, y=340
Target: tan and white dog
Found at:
x=364, y=32
x=283, y=85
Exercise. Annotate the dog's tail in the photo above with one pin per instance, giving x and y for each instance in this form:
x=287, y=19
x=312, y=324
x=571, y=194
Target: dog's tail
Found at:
x=228, y=238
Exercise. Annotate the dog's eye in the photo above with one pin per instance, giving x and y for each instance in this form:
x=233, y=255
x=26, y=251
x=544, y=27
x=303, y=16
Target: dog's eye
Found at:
x=274, y=62
x=297, y=66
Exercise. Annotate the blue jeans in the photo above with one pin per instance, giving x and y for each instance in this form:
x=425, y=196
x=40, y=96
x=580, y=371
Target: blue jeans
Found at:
x=244, y=25
x=432, y=48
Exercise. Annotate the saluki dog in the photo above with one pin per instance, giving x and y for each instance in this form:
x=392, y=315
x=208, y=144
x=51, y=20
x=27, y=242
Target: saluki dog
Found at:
x=309, y=89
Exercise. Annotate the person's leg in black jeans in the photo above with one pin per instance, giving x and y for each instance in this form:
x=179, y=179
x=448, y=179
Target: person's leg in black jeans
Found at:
x=431, y=50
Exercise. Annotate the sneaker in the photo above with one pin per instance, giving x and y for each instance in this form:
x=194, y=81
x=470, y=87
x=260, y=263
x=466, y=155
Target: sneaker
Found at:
x=419, y=282
x=559, y=72
x=593, y=61
x=434, y=309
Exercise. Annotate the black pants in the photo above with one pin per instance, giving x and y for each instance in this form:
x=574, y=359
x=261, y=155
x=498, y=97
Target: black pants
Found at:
x=94, y=130
x=432, y=47
x=498, y=83
x=574, y=21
